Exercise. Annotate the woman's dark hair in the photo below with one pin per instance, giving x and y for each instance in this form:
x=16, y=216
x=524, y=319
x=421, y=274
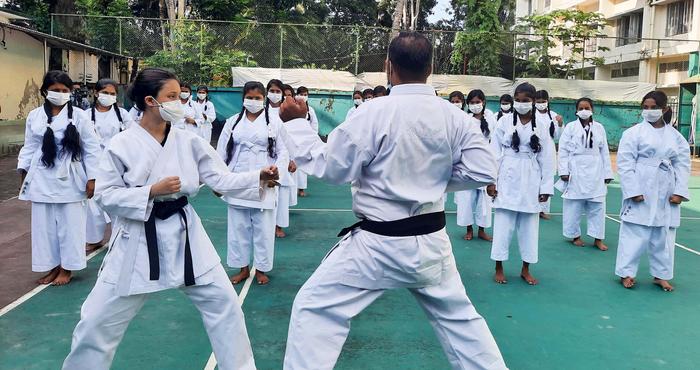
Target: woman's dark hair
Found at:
x=206, y=89
x=659, y=97
x=668, y=115
x=379, y=90
x=71, y=138
x=457, y=94
x=288, y=88
x=185, y=85
x=248, y=87
x=544, y=95
x=148, y=82
x=302, y=90
x=367, y=91
x=101, y=84
x=529, y=91
x=481, y=96
x=504, y=98
x=274, y=82
x=356, y=92
x=590, y=132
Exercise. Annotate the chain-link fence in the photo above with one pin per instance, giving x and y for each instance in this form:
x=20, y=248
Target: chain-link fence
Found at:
x=206, y=50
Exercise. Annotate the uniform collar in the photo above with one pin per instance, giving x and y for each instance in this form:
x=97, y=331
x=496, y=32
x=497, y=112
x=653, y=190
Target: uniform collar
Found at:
x=412, y=89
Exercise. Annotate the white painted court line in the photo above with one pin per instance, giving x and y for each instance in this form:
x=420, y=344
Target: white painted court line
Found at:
x=211, y=363
x=681, y=246
x=38, y=289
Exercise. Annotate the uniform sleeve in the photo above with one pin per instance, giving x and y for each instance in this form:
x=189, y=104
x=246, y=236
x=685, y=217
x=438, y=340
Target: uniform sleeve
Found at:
x=545, y=158
x=473, y=160
x=214, y=173
x=497, y=142
x=557, y=129
x=31, y=145
x=90, y=144
x=283, y=154
x=314, y=120
x=681, y=167
x=126, y=118
x=626, y=165
x=605, y=156
x=224, y=137
x=564, y=154
x=211, y=112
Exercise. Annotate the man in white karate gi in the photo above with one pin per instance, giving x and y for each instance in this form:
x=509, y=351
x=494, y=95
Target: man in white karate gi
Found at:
x=401, y=153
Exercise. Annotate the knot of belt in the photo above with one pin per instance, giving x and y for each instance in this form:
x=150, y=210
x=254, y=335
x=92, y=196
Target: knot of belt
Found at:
x=164, y=210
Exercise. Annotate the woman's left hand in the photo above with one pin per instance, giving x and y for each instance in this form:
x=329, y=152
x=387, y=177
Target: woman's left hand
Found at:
x=90, y=188
x=292, y=167
x=544, y=198
x=675, y=199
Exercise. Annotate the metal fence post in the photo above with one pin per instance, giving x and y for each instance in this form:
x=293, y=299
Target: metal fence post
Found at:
x=357, y=50
x=120, y=35
x=51, y=24
x=201, y=49
x=514, y=56
x=281, y=41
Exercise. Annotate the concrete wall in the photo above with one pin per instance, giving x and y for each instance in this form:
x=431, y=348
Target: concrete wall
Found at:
x=21, y=72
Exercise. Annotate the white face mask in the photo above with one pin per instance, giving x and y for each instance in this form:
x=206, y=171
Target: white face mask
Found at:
x=303, y=98
x=652, y=115
x=171, y=111
x=584, y=114
x=368, y=99
x=253, y=106
x=201, y=96
x=357, y=102
x=184, y=95
x=522, y=107
x=106, y=100
x=458, y=105
x=541, y=106
x=505, y=107
x=274, y=97
x=58, y=99
x=476, y=108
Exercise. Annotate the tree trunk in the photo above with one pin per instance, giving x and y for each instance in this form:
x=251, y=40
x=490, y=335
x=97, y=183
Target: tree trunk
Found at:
x=396, y=20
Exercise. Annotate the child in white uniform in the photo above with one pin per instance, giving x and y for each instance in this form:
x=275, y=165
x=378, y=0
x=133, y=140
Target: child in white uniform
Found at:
x=206, y=110
x=549, y=132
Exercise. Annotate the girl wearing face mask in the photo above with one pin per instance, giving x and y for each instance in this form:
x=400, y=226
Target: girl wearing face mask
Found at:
x=57, y=166
x=506, y=107
x=108, y=120
x=550, y=131
x=251, y=139
x=523, y=183
x=474, y=206
x=146, y=176
x=356, y=101
x=301, y=178
x=367, y=95
x=205, y=109
x=584, y=171
x=192, y=119
x=653, y=161
x=287, y=195
x=457, y=99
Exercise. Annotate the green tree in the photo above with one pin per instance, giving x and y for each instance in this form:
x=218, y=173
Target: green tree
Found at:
x=477, y=49
x=37, y=10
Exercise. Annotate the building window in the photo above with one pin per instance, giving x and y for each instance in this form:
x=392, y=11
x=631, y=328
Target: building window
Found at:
x=674, y=67
x=629, y=29
x=591, y=45
x=678, y=17
x=626, y=70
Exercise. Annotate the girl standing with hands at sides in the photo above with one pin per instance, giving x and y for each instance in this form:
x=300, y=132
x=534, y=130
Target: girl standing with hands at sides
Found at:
x=205, y=109
x=474, y=206
x=653, y=161
x=584, y=171
x=550, y=131
x=108, y=120
x=523, y=182
x=301, y=178
x=287, y=195
x=250, y=139
x=356, y=101
x=57, y=167
x=145, y=178
x=192, y=119
x=506, y=106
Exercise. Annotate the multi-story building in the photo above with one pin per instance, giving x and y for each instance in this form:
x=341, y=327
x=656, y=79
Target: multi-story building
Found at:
x=649, y=40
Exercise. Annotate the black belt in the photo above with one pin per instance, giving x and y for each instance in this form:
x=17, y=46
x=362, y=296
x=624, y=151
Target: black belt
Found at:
x=417, y=225
x=163, y=210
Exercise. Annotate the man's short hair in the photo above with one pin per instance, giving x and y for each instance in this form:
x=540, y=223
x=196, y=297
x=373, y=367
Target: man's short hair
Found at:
x=411, y=55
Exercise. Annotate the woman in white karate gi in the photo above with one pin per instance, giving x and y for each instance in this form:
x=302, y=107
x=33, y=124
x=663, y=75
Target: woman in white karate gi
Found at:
x=356, y=102
x=457, y=99
x=145, y=178
x=506, y=107
x=287, y=195
x=653, y=161
x=206, y=110
x=301, y=177
x=550, y=130
x=192, y=119
x=108, y=119
x=584, y=171
x=523, y=183
x=57, y=166
x=250, y=139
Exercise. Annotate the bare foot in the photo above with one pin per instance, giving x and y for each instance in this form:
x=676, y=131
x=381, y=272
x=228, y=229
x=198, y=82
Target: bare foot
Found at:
x=525, y=274
x=279, y=233
x=91, y=247
x=600, y=245
x=49, y=277
x=470, y=234
x=241, y=276
x=627, y=282
x=262, y=278
x=664, y=284
x=301, y=193
x=64, y=276
x=500, y=277
x=484, y=236
x=577, y=241
x=544, y=216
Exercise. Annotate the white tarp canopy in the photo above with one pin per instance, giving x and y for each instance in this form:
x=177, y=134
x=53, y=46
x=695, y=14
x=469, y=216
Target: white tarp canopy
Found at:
x=314, y=79
x=594, y=89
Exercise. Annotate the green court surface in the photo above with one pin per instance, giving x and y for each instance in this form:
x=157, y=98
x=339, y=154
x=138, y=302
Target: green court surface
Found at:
x=579, y=317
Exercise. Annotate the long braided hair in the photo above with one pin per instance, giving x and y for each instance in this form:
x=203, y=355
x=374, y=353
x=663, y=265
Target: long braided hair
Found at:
x=480, y=95
x=529, y=91
x=544, y=95
x=588, y=144
x=251, y=86
x=71, y=138
x=101, y=84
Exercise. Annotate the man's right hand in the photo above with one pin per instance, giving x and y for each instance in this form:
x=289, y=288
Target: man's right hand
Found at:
x=270, y=173
x=293, y=109
x=168, y=185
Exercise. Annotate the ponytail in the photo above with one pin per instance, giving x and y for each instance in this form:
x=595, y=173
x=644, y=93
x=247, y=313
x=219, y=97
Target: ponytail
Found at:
x=70, y=142
x=271, y=142
x=48, y=143
x=230, y=143
x=71, y=138
x=485, y=126
x=534, y=139
x=552, y=129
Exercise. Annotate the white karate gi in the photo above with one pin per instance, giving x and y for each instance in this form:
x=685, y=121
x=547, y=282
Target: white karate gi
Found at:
x=190, y=112
x=251, y=224
x=135, y=114
x=207, y=111
x=544, y=122
x=106, y=125
x=522, y=177
x=351, y=111
x=57, y=193
x=287, y=193
x=654, y=163
x=132, y=163
x=301, y=176
x=474, y=206
x=588, y=166
x=402, y=153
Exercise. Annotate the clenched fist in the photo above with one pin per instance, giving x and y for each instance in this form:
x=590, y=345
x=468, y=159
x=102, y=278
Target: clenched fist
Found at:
x=168, y=185
x=270, y=173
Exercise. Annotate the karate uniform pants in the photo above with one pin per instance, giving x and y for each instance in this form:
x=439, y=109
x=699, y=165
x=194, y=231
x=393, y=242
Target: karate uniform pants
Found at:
x=58, y=236
x=546, y=206
x=658, y=242
x=286, y=197
x=323, y=308
x=301, y=179
x=527, y=228
x=251, y=231
x=469, y=208
x=595, y=218
x=97, y=221
x=105, y=316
